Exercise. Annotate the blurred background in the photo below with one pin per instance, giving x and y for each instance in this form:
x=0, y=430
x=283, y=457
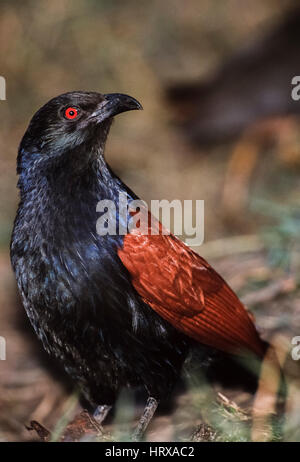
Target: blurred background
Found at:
x=218, y=124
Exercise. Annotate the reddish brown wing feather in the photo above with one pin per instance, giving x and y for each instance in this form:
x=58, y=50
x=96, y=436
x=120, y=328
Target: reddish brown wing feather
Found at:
x=186, y=291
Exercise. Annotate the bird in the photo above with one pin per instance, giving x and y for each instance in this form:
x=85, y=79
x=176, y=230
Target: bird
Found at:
x=116, y=310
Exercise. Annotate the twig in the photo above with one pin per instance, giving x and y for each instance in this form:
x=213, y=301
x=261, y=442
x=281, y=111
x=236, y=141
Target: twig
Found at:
x=41, y=431
x=273, y=290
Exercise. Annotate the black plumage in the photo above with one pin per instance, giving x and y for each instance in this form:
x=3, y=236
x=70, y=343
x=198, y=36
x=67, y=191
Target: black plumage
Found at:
x=77, y=292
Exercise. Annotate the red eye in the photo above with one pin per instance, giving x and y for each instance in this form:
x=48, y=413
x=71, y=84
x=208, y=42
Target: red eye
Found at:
x=71, y=113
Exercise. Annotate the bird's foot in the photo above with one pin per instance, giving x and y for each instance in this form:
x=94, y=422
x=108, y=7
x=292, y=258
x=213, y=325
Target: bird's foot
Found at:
x=101, y=413
x=145, y=419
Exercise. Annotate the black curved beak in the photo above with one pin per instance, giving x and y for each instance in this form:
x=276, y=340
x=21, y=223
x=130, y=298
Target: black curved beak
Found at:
x=113, y=104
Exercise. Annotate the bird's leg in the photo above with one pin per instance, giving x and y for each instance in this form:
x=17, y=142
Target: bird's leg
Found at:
x=144, y=421
x=101, y=413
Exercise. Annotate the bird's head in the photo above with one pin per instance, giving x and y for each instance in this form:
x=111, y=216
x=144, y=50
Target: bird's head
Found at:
x=71, y=123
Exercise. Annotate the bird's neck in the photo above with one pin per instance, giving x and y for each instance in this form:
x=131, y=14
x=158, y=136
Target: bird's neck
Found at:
x=66, y=193
x=68, y=175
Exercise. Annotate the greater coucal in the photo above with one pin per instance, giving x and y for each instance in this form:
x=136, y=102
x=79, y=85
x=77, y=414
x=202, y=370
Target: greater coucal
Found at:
x=116, y=310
